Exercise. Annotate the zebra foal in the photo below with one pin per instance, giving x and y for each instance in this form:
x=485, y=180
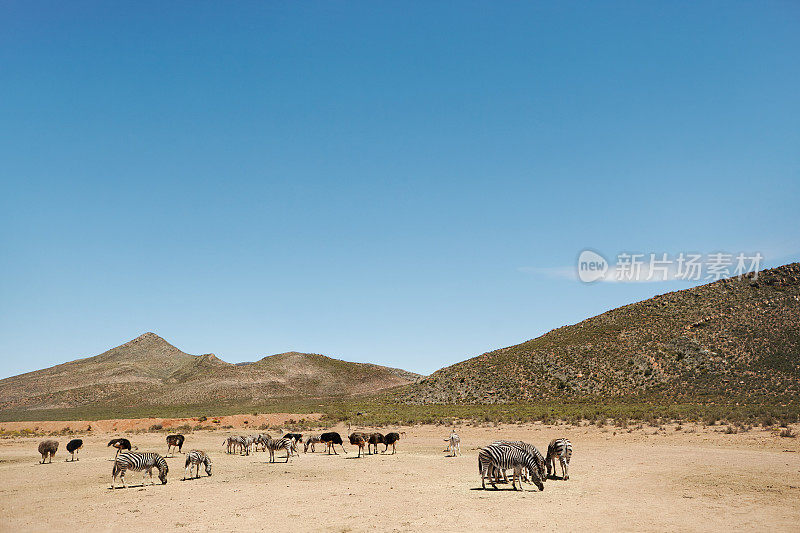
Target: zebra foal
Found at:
x=139, y=462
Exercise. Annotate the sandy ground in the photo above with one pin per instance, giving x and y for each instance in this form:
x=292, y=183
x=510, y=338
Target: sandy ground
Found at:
x=645, y=480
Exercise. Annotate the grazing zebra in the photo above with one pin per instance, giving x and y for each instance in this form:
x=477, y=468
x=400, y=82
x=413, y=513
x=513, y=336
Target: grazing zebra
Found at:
x=48, y=448
x=274, y=445
x=330, y=439
x=73, y=446
x=531, y=449
x=175, y=441
x=453, y=443
x=499, y=457
x=120, y=445
x=561, y=448
x=390, y=438
x=139, y=462
x=196, y=458
x=310, y=442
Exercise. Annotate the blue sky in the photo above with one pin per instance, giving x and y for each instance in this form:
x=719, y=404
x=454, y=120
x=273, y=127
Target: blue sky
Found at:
x=384, y=182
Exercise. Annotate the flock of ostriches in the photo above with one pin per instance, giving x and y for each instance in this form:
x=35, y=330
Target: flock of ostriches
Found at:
x=494, y=460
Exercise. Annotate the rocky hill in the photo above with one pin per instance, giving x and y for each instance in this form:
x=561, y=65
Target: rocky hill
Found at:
x=149, y=370
x=734, y=338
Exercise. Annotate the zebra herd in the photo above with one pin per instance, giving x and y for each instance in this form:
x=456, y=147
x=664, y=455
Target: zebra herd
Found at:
x=244, y=444
x=494, y=461
x=524, y=460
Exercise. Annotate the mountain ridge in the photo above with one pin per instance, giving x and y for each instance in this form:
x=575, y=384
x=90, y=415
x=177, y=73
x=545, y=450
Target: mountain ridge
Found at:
x=151, y=370
x=738, y=338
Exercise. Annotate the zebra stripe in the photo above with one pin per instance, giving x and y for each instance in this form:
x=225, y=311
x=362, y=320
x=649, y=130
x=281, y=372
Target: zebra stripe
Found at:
x=139, y=462
x=274, y=445
x=531, y=449
x=561, y=449
x=196, y=458
x=501, y=457
x=310, y=442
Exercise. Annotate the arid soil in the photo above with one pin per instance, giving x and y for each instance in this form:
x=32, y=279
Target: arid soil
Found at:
x=643, y=480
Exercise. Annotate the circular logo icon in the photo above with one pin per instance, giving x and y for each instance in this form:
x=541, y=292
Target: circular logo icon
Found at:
x=591, y=266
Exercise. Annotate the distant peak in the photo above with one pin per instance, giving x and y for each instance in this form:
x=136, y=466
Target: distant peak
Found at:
x=147, y=336
x=148, y=341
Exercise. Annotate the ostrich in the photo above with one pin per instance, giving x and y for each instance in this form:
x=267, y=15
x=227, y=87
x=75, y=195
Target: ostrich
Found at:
x=73, y=446
x=48, y=448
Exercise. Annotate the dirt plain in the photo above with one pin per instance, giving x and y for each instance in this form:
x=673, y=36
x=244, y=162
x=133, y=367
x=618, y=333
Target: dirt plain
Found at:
x=633, y=479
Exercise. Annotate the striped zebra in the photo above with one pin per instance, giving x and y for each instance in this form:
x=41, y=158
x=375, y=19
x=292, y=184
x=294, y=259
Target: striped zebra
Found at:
x=246, y=443
x=139, y=462
x=310, y=442
x=531, y=449
x=562, y=449
x=453, y=443
x=274, y=445
x=262, y=439
x=231, y=443
x=499, y=457
x=196, y=458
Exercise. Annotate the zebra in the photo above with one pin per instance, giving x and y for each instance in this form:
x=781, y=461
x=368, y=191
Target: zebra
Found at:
x=230, y=443
x=561, y=448
x=242, y=443
x=310, y=442
x=139, y=462
x=531, y=449
x=453, y=443
x=196, y=458
x=499, y=457
x=296, y=437
x=246, y=442
x=279, y=444
x=262, y=439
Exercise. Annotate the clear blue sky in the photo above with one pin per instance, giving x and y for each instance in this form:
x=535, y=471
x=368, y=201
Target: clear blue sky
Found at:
x=375, y=181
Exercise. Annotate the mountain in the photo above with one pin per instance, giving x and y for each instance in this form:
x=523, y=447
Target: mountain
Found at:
x=149, y=370
x=733, y=338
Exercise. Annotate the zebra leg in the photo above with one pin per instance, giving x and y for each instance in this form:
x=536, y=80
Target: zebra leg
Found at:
x=288, y=453
x=565, y=468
